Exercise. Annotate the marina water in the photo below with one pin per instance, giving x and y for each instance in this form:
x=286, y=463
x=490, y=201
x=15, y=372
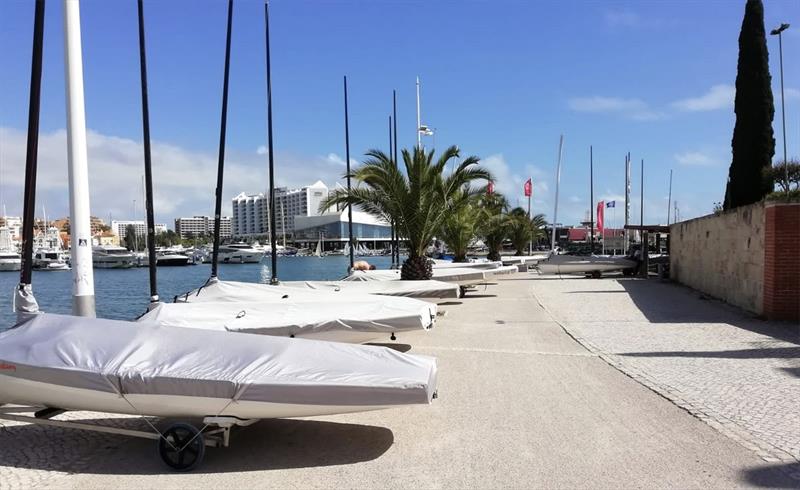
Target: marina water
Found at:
x=121, y=294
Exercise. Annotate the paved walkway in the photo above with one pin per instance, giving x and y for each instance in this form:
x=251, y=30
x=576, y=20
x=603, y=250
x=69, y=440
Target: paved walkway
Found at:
x=739, y=374
x=522, y=405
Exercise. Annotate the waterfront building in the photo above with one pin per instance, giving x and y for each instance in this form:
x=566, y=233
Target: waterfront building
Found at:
x=198, y=226
x=14, y=226
x=332, y=229
x=119, y=228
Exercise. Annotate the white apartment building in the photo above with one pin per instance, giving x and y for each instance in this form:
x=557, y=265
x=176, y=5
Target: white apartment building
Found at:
x=251, y=211
x=196, y=226
x=119, y=228
x=250, y=216
x=14, y=225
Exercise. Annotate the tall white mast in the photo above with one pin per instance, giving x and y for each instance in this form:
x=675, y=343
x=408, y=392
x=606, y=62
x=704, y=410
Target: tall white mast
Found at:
x=558, y=183
x=419, y=121
x=80, y=224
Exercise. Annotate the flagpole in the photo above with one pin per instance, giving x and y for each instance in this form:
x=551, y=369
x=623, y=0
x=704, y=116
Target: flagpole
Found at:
x=591, y=199
x=669, y=199
x=396, y=236
x=419, y=121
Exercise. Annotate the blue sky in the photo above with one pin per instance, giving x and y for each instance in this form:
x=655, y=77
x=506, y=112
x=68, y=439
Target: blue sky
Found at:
x=501, y=79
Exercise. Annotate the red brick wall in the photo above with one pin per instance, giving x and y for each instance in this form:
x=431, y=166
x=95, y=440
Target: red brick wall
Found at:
x=782, y=262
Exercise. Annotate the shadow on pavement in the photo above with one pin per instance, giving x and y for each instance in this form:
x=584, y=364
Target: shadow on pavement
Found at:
x=397, y=347
x=775, y=476
x=662, y=302
x=267, y=445
x=763, y=353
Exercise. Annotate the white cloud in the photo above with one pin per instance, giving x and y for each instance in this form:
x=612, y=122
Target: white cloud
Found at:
x=335, y=159
x=695, y=158
x=717, y=97
x=791, y=93
x=183, y=180
x=261, y=150
x=632, y=108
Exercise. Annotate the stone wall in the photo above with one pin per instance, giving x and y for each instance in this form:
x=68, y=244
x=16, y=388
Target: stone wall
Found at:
x=722, y=255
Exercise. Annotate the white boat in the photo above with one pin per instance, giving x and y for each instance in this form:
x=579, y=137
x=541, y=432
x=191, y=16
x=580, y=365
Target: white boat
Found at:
x=318, y=250
x=424, y=290
x=524, y=259
x=171, y=259
x=49, y=260
x=284, y=311
x=573, y=264
x=10, y=260
x=239, y=253
x=74, y=363
x=475, y=264
x=113, y=257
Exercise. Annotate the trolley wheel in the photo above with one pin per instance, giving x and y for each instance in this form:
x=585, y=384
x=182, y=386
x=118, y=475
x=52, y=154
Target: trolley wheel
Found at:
x=462, y=291
x=172, y=451
x=596, y=275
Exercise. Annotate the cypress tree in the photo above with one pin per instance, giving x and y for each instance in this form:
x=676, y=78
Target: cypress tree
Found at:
x=753, y=142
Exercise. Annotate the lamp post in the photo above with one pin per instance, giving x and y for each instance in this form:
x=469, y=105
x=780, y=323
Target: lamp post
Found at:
x=777, y=32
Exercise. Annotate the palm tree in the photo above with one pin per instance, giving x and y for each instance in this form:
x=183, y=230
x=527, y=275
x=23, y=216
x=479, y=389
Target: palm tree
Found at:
x=522, y=230
x=417, y=201
x=494, y=223
x=461, y=222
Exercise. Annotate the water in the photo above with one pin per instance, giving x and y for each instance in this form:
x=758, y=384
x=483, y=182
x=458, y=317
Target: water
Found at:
x=122, y=294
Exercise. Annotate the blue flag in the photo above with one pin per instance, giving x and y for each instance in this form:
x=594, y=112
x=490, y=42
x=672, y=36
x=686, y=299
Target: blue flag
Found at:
x=611, y=204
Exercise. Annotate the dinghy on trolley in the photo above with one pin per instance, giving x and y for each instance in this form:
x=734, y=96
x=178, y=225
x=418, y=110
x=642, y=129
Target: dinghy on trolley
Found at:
x=592, y=265
x=73, y=363
x=423, y=290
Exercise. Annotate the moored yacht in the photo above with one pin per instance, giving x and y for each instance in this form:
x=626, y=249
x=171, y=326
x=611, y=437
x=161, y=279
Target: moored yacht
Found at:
x=239, y=253
x=10, y=261
x=113, y=257
x=49, y=260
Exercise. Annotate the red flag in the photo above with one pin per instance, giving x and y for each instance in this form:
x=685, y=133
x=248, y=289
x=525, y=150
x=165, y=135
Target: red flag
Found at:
x=528, y=188
x=490, y=188
x=600, y=207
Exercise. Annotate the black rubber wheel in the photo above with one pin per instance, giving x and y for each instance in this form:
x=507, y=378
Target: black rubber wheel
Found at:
x=182, y=447
x=596, y=275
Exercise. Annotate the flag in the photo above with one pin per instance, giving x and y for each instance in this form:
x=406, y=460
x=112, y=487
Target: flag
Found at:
x=490, y=188
x=528, y=188
x=611, y=204
x=600, y=207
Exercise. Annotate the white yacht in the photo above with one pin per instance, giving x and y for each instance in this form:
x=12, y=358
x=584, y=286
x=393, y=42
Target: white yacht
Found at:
x=239, y=253
x=49, y=260
x=10, y=260
x=113, y=257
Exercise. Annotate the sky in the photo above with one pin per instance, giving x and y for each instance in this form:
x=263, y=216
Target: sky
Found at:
x=501, y=79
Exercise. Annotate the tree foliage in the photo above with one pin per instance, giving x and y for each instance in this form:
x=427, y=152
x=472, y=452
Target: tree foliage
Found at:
x=417, y=200
x=522, y=231
x=753, y=143
x=460, y=224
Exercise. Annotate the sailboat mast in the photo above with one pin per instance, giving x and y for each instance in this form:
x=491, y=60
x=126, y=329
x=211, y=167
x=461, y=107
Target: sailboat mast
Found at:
x=148, y=171
x=347, y=159
x=272, y=239
x=24, y=301
x=558, y=183
x=391, y=224
x=395, y=234
x=222, y=129
x=419, y=121
x=669, y=199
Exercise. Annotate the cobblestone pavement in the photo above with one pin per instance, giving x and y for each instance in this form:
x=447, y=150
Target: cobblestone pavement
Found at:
x=739, y=374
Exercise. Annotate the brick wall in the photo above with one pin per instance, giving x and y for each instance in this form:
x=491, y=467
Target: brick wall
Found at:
x=782, y=262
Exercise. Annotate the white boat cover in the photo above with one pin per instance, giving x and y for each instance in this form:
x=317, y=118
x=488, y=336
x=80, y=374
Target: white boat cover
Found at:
x=524, y=259
x=175, y=372
x=301, y=312
x=456, y=275
x=573, y=264
x=427, y=290
x=502, y=270
x=478, y=264
x=351, y=318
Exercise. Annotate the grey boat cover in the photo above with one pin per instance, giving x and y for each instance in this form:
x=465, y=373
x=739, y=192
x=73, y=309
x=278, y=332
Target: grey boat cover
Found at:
x=456, y=275
x=411, y=289
x=350, y=313
x=135, y=358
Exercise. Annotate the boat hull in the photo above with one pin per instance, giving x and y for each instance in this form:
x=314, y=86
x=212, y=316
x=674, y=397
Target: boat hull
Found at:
x=10, y=266
x=560, y=264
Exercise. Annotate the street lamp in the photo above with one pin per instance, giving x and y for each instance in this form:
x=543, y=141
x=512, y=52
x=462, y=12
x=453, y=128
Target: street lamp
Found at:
x=777, y=32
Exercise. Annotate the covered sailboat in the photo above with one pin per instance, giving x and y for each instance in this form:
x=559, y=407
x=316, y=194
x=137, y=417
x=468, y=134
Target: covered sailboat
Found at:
x=291, y=312
x=424, y=290
x=574, y=264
